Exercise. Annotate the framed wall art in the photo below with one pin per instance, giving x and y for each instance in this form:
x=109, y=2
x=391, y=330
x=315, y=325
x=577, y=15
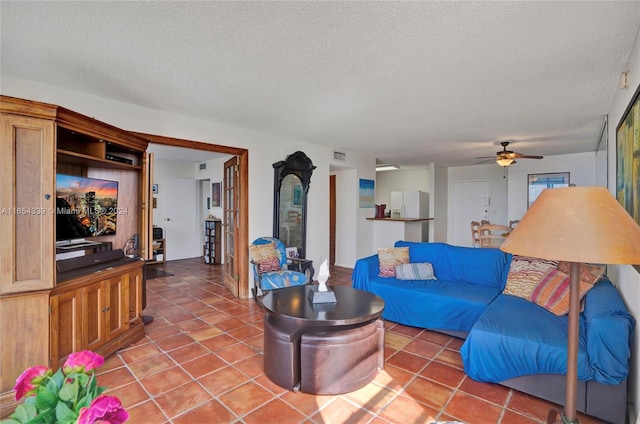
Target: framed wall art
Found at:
x=538, y=182
x=367, y=193
x=628, y=159
x=215, y=195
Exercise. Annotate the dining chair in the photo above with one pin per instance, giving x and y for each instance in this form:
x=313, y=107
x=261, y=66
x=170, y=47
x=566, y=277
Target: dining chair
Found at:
x=493, y=235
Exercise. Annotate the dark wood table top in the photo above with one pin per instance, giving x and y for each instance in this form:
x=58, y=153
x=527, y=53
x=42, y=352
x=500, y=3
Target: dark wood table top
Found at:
x=352, y=307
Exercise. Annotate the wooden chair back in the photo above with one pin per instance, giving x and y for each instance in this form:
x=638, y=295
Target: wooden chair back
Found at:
x=493, y=235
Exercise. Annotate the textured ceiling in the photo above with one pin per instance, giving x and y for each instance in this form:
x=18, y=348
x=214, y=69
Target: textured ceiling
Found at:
x=406, y=82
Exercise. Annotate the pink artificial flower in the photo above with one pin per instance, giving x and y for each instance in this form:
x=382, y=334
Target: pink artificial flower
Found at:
x=29, y=381
x=82, y=361
x=103, y=409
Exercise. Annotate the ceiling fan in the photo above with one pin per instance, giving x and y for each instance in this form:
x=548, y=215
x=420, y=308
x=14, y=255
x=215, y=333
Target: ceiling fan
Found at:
x=507, y=157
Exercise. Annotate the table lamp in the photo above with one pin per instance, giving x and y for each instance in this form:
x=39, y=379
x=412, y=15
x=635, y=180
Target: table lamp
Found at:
x=576, y=225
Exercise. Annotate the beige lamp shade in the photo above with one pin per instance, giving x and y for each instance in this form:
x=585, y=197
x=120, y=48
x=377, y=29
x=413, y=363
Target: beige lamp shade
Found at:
x=577, y=224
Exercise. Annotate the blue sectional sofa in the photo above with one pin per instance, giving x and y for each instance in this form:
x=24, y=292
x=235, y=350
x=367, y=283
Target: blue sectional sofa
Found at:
x=510, y=340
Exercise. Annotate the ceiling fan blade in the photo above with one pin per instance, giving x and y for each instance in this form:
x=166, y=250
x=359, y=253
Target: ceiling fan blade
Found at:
x=485, y=157
x=521, y=156
x=486, y=160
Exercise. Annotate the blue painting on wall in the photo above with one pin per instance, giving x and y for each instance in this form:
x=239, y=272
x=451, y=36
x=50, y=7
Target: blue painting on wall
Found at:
x=367, y=193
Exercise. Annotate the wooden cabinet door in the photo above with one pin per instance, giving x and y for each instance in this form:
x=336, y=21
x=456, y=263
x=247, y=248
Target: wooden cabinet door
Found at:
x=117, y=305
x=93, y=309
x=135, y=296
x=66, y=323
x=27, y=201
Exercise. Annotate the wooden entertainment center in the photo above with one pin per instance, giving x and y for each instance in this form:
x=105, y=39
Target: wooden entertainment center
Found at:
x=48, y=311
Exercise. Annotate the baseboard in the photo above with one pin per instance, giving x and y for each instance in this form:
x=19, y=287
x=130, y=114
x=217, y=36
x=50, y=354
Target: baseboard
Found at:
x=343, y=265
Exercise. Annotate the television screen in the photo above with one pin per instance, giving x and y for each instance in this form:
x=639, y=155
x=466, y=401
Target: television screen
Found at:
x=85, y=207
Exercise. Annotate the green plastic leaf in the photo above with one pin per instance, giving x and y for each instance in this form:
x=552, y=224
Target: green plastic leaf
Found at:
x=69, y=391
x=10, y=421
x=24, y=413
x=58, y=378
x=64, y=414
x=83, y=379
x=45, y=400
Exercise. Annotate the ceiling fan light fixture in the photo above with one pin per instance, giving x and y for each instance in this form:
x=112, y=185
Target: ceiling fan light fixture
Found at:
x=387, y=167
x=504, y=161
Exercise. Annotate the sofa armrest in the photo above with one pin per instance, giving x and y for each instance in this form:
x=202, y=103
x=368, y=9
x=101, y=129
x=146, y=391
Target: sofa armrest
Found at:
x=609, y=331
x=365, y=269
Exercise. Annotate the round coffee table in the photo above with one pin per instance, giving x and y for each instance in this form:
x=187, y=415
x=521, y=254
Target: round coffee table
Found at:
x=323, y=348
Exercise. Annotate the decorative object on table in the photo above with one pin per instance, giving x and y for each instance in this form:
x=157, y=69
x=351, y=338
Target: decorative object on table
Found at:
x=292, y=252
x=577, y=225
x=70, y=395
x=321, y=293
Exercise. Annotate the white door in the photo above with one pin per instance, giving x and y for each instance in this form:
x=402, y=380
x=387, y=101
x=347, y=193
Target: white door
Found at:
x=470, y=202
x=181, y=224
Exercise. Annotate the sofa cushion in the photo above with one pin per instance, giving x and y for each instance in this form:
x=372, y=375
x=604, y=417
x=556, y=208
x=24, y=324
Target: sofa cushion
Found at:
x=552, y=292
x=610, y=330
x=433, y=304
x=389, y=257
x=487, y=267
x=525, y=273
x=515, y=337
x=415, y=271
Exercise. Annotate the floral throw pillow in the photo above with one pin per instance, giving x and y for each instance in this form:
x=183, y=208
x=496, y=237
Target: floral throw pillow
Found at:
x=525, y=273
x=390, y=257
x=265, y=256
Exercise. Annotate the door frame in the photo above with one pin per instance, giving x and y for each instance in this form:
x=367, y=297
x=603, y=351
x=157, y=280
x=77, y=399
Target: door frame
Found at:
x=242, y=242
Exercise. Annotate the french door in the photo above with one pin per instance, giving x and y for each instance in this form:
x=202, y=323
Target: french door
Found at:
x=231, y=224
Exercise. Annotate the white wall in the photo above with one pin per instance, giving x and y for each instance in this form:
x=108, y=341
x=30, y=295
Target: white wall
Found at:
x=264, y=150
x=354, y=233
x=439, y=203
x=626, y=277
x=581, y=168
x=417, y=179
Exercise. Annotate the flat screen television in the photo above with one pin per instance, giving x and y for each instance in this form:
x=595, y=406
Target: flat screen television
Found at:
x=85, y=207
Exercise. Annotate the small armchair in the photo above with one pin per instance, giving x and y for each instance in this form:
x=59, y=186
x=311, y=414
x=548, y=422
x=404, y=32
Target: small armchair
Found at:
x=270, y=269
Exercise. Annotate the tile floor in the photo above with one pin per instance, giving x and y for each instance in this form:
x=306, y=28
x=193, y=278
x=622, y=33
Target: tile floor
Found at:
x=201, y=362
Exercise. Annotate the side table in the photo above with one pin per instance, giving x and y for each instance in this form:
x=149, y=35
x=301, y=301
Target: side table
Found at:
x=304, y=266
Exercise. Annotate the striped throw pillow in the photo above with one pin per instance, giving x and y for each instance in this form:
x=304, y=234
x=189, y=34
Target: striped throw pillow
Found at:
x=415, y=271
x=552, y=292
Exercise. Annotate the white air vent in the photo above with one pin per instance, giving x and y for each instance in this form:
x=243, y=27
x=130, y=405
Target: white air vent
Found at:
x=203, y=166
x=340, y=156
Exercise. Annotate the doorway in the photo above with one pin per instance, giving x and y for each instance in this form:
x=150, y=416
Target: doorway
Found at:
x=240, y=286
x=180, y=222
x=470, y=202
x=332, y=220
